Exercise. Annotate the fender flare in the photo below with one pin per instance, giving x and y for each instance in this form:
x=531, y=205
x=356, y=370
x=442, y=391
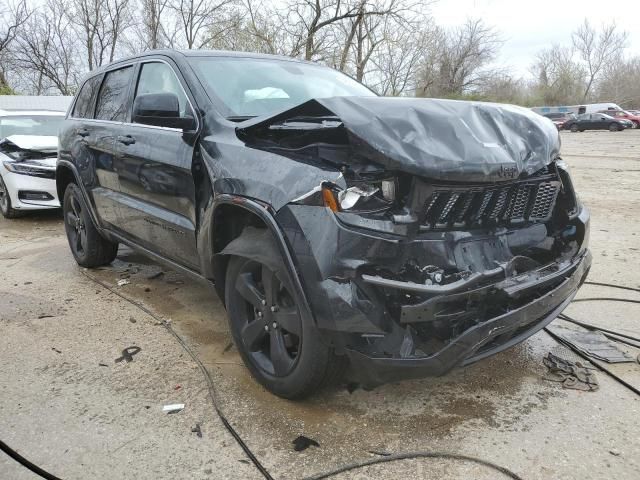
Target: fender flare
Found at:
x=78, y=181
x=262, y=212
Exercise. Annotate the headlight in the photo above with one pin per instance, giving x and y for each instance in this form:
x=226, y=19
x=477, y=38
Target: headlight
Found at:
x=362, y=197
x=30, y=170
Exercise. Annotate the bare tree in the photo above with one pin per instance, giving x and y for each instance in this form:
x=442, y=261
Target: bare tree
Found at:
x=405, y=50
x=559, y=79
x=99, y=24
x=597, y=49
x=197, y=18
x=462, y=60
x=152, y=15
x=46, y=51
x=12, y=17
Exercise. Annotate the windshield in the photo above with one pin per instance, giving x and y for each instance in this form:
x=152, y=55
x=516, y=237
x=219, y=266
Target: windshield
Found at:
x=250, y=87
x=30, y=125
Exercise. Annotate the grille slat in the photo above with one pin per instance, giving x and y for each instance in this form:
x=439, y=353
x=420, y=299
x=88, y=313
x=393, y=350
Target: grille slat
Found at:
x=458, y=207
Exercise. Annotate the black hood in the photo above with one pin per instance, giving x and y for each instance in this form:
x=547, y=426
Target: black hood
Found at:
x=440, y=139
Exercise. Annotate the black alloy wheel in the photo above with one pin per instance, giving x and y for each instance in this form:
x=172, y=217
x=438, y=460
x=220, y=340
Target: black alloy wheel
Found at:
x=89, y=248
x=76, y=230
x=271, y=328
x=282, y=350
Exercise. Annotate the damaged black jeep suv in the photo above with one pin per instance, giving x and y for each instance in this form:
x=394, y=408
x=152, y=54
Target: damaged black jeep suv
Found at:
x=388, y=237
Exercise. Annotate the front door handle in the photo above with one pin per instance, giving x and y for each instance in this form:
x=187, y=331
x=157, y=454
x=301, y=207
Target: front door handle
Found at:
x=126, y=139
x=83, y=132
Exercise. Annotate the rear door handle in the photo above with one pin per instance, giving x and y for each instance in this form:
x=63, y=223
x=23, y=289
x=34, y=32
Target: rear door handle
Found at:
x=126, y=139
x=83, y=132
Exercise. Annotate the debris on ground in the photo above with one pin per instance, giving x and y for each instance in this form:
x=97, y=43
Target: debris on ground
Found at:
x=155, y=275
x=177, y=387
x=128, y=353
x=103, y=365
x=197, y=430
x=302, y=443
x=572, y=375
x=173, y=408
x=593, y=344
x=132, y=320
x=55, y=350
x=40, y=317
x=123, y=282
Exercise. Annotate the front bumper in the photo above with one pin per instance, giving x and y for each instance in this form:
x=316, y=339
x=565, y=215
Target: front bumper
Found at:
x=17, y=183
x=484, y=339
x=355, y=316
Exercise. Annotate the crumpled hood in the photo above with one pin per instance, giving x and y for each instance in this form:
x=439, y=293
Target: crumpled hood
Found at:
x=38, y=143
x=440, y=139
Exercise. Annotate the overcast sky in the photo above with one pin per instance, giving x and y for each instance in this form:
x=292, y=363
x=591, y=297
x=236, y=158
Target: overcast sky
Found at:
x=529, y=26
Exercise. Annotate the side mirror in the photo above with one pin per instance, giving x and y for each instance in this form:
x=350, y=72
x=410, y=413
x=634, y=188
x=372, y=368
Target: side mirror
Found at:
x=160, y=110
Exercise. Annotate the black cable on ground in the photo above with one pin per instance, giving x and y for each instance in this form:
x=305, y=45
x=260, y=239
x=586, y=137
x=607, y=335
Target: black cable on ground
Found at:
x=414, y=455
x=621, y=287
x=26, y=463
x=609, y=299
x=588, y=326
x=212, y=391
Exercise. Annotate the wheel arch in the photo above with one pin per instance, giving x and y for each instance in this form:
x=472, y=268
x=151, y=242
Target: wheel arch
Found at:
x=231, y=215
x=64, y=176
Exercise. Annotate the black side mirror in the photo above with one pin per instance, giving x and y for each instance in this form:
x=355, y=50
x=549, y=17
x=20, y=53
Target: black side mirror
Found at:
x=160, y=110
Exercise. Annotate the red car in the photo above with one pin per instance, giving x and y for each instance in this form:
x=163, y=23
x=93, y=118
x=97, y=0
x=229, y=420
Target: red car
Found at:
x=619, y=114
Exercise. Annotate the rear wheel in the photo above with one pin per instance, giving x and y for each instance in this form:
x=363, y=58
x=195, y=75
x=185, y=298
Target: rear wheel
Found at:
x=89, y=248
x=5, y=203
x=281, y=350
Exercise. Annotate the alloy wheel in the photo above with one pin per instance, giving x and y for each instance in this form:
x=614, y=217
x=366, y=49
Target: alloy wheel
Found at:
x=76, y=227
x=3, y=196
x=271, y=328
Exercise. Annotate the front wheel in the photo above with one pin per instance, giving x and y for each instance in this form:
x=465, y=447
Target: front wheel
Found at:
x=574, y=128
x=5, y=203
x=89, y=248
x=280, y=349
x=615, y=128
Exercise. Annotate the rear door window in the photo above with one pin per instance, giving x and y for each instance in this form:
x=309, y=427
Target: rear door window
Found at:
x=113, y=101
x=83, y=107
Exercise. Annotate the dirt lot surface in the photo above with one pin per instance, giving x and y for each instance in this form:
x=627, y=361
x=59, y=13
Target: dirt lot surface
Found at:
x=70, y=407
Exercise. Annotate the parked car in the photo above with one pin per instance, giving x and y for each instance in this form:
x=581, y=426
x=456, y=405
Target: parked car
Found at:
x=28, y=152
x=624, y=115
x=559, y=118
x=597, y=121
x=400, y=237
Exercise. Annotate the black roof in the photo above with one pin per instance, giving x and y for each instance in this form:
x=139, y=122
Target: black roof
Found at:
x=171, y=53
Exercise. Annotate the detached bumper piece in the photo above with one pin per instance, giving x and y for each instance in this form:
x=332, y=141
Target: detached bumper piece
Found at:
x=470, y=324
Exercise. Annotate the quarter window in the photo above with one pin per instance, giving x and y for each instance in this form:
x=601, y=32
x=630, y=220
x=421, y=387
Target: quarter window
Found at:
x=158, y=77
x=83, y=107
x=113, y=98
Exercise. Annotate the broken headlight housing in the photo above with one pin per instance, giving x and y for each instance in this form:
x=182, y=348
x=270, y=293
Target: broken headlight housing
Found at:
x=362, y=196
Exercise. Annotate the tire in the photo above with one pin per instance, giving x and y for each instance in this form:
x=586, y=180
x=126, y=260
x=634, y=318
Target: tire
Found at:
x=574, y=128
x=282, y=351
x=5, y=203
x=613, y=127
x=89, y=248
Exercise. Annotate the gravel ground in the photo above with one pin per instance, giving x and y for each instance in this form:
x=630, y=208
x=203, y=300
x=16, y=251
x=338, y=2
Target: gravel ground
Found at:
x=68, y=406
